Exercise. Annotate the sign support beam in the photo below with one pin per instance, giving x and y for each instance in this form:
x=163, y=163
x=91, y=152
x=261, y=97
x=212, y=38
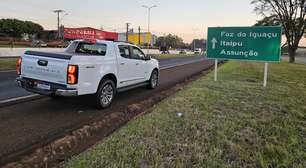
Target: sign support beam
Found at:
x=216, y=70
x=266, y=74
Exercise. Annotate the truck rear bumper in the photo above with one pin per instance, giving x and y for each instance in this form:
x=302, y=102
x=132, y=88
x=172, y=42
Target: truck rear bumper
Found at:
x=55, y=89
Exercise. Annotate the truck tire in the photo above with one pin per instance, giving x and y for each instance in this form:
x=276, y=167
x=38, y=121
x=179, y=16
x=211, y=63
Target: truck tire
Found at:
x=153, y=82
x=105, y=94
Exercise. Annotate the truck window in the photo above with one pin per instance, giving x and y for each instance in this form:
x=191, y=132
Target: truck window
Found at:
x=138, y=54
x=124, y=51
x=91, y=49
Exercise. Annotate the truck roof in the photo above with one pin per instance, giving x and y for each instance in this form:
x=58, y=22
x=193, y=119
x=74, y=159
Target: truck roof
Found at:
x=104, y=41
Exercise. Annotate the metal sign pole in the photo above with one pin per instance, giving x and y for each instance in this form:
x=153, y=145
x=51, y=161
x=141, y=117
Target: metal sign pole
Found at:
x=216, y=69
x=266, y=74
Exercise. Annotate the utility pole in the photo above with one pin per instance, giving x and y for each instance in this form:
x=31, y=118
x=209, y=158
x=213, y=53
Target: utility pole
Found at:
x=139, y=35
x=127, y=31
x=58, y=11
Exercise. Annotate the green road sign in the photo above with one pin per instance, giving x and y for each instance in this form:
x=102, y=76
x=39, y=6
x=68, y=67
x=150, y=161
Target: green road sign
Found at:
x=245, y=43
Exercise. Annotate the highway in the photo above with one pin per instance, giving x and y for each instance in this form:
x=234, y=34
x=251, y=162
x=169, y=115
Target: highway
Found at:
x=10, y=90
x=34, y=122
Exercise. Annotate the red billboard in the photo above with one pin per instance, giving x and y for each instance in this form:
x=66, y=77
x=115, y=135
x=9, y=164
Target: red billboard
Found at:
x=89, y=33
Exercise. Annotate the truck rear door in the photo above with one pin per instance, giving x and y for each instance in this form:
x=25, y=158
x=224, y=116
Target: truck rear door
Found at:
x=48, y=67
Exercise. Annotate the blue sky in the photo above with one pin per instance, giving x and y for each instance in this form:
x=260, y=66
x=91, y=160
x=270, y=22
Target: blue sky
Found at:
x=186, y=18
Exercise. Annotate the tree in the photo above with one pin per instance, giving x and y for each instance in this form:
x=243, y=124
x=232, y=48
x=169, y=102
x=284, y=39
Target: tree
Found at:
x=291, y=14
x=15, y=28
x=170, y=40
x=272, y=20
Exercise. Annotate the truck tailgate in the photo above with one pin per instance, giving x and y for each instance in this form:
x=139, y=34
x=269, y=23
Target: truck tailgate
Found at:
x=49, y=67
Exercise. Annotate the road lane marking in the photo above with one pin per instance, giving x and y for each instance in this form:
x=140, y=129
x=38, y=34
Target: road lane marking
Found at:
x=7, y=71
x=18, y=99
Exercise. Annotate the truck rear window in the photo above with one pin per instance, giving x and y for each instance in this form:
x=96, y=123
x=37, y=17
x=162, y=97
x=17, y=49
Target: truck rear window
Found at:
x=91, y=49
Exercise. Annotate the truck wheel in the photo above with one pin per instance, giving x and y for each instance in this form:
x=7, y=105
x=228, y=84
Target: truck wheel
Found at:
x=105, y=94
x=153, y=82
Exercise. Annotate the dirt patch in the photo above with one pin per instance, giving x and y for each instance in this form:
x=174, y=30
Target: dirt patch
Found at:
x=77, y=141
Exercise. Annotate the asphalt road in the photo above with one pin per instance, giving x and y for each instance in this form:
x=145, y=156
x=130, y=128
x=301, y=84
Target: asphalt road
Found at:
x=29, y=123
x=10, y=90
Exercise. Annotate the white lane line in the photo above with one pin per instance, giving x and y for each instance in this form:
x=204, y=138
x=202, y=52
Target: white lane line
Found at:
x=18, y=98
x=7, y=71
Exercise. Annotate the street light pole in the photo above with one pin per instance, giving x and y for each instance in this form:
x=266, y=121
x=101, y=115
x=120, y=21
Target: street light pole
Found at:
x=149, y=15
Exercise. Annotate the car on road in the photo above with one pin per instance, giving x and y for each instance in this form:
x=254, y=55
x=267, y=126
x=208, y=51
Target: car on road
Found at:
x=88, y=67
x=183, y=51
x=197, y=51
x=38, y=43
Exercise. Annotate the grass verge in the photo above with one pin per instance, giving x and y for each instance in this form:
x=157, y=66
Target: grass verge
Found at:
x=8, y=63
x=234, y=122
x=15, y=46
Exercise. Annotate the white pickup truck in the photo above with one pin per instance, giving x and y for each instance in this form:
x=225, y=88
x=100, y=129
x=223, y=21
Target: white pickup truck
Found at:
x=88, y=67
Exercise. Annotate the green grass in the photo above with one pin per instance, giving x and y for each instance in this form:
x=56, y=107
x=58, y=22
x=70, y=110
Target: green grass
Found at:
x=234, y=122
x=8, y=63
x=165, y=56
x=15, y=46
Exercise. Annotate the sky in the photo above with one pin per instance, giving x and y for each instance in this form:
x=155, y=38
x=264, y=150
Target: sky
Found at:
x=188, y=19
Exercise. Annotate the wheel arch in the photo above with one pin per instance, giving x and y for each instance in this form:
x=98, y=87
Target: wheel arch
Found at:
x=109, y=76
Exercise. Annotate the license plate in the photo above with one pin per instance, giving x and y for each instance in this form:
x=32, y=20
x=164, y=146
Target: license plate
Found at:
x=43, y=86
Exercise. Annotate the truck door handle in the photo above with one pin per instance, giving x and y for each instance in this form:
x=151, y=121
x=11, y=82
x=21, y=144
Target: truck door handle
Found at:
x=122, y=64
x=137, y=63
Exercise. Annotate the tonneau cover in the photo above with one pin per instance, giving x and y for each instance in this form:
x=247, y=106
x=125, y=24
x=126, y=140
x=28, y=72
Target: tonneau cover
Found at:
x=66, y=56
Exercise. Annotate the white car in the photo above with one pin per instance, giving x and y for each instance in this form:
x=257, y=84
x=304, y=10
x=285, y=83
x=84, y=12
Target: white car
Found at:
x=88, y=67
x=197, y=51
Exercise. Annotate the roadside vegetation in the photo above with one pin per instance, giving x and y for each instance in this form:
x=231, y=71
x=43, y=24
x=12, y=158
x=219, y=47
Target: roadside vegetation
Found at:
x=15, y=46
x=8, y=63
x=234, y=122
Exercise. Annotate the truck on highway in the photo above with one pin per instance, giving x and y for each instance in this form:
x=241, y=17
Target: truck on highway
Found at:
x=88, y=67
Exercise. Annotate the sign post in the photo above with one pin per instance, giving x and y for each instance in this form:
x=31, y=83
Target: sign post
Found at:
x=216, y=70
x=245, y=44
x=266, y=74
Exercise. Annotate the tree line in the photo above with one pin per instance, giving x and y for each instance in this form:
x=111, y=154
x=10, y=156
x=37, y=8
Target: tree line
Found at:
x=15, y=28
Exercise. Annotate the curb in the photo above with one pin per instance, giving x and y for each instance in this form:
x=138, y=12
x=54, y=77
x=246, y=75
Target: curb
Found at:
x=13, y=101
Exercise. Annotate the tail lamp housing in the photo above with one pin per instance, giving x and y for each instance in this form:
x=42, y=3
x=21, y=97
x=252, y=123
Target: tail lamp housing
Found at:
x=18, y=66
x=72, y=74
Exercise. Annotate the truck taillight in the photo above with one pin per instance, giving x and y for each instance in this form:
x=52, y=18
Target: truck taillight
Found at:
x=18, y=66
x=72, y=74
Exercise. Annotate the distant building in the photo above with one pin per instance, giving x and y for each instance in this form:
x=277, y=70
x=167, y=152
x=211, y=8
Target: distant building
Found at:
x=198, y=43
x=89, y=33
x=142, y=39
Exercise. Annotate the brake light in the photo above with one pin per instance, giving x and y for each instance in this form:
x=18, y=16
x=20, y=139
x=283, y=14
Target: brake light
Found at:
x=18, y=66
x=72, y=74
